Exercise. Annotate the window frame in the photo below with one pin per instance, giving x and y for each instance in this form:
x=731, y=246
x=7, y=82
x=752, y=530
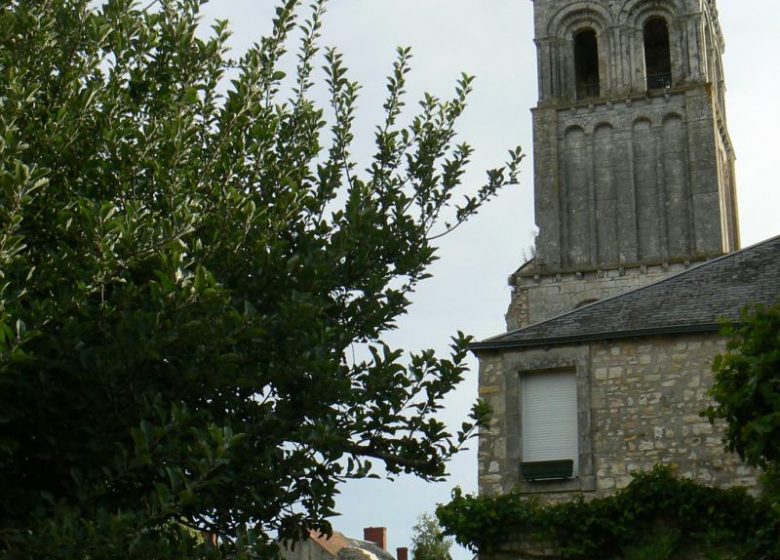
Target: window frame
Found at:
x=569, y=359
x=562, y=413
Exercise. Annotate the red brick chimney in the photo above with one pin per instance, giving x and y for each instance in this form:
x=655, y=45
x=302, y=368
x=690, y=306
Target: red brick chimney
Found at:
x=402, y=553
x=376, y=535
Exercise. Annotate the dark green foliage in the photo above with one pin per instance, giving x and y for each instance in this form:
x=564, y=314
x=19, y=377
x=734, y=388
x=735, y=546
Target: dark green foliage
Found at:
x=657, y=516
x=428, y=542
x=747, y=386
x=184, y=275
x=747, y=393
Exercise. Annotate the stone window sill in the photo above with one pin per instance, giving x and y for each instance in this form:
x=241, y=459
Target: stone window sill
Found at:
x=580, y=484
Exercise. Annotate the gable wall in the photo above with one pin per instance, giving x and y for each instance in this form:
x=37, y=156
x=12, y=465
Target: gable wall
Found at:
x=639, y=402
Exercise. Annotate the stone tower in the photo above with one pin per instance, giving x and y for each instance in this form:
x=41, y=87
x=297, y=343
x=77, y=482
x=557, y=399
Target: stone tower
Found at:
x=633, y=165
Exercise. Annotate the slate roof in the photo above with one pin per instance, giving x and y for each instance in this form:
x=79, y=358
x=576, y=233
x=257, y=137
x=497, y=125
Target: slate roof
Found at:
x=695, y=300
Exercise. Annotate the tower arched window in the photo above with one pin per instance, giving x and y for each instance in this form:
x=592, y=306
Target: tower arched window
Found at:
x=586, y=64
x=658, y=58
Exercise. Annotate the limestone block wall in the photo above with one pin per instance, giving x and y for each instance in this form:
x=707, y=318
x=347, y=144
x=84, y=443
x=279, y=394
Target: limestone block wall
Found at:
x=646, y=398
x=536, y=298
x=636, y=180
x=638, y=405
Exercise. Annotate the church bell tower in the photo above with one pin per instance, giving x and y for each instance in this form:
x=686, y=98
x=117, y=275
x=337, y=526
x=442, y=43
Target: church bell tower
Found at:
x=633, y=165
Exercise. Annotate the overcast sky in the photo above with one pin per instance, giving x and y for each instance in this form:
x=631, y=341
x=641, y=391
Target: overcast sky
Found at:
x=493, y=39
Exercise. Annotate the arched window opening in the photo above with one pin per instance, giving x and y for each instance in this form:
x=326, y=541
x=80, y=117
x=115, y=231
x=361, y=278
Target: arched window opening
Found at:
x=586, y=64
x=658, y=59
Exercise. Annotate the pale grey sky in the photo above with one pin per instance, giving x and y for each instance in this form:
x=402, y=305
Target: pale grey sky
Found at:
x=492, y=39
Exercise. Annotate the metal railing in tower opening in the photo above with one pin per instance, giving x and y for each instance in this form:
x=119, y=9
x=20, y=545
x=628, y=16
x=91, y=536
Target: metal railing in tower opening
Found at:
x=588, y=90
x=659, y=81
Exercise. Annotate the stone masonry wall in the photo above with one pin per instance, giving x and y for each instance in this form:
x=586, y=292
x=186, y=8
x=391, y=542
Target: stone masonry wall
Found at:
x=646, y=397
x=639, y=402
x=632, y=181
x=632, y=174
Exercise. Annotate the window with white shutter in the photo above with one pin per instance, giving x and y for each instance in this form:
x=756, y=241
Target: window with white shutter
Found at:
x=549, y=418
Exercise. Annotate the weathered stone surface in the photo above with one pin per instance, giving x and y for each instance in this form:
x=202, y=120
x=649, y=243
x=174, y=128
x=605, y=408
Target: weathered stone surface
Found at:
x=633, y=183
x=630, y=173
x=638, y=407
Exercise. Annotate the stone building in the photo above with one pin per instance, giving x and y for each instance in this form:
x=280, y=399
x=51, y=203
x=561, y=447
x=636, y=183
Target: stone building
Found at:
x=633, y=165
x=584, y=399
x=340, y=547
x=613, y=325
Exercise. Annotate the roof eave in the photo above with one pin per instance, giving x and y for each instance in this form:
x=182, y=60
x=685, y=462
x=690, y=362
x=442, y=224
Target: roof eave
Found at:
x=499, y=344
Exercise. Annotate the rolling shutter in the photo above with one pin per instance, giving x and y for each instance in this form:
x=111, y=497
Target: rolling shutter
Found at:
x=550, y=417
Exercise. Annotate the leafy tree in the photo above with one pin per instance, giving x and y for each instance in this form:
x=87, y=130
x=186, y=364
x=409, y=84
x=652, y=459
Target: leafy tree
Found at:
x=747, y=391
x=428, y=541
x=187, y=265
x=747, y=386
